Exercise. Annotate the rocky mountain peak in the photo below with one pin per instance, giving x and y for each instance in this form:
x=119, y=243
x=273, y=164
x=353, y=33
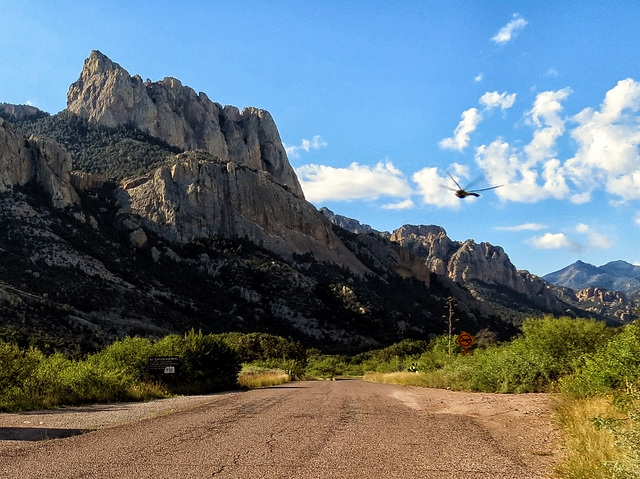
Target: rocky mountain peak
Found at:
x=97, y=63
x=108, y=95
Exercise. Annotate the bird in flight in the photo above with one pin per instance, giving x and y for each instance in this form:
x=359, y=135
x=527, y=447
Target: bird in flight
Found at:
x=463, y=193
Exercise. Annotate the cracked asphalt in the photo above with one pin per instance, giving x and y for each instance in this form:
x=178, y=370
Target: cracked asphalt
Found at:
x=333, y=429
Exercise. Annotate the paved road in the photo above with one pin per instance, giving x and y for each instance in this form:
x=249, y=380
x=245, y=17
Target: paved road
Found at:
x=338, y=429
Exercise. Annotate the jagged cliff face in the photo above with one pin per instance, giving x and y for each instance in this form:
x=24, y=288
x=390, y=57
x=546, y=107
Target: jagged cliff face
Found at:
x=107, y=94
x=36, y=160
x=466, y=261
x=200, y=197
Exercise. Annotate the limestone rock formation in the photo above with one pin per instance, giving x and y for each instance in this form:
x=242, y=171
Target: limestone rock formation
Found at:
x=107, y=94
x=201, y=196
x=35, y=160
x=20, y=112
x=467, y=261
x=600, y=299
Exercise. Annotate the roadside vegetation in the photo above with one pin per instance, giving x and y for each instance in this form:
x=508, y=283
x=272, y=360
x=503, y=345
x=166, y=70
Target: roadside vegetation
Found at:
x=593, y=371
x=31, y=379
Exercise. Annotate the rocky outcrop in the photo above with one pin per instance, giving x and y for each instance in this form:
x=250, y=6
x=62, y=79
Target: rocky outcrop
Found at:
x=348, y=224
x=36, y=160
x=429, y=242
x=107, y=94
x=602, y=296
x=467, y=261
x=201, y=196
x=20, y=112
x=600, y=300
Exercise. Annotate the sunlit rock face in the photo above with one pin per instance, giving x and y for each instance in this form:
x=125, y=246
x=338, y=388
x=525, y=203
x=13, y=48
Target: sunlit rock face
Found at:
x=37, y=160
x=107, y=94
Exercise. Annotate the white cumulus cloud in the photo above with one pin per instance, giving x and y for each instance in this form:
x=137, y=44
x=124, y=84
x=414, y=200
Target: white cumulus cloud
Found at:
x=471, y=118
x=494, y=99
x=434, y=188
x=510, y=30
x=356, y=182
x=608, y=142
x=554, y=241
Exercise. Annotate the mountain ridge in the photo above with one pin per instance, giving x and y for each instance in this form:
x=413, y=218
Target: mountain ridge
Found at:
x=615, y=276
x=218, y=238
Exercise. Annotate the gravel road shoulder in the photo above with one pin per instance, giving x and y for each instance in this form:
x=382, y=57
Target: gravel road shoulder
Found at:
x=22, y=428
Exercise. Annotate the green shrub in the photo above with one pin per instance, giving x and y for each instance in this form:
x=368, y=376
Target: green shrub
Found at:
x=610, y=368
x=547, y=350
x=207, y=363
x=439, y=352
x=17, y=365
x=128, y=359
x=269, y=351
x=325, y=367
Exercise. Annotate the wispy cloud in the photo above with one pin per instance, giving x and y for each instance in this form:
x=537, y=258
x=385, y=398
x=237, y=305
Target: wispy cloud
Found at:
x=314, y=143
x=478, y=77
x=510, y=30
x=356, y=182
x=472, y=117
x=461, y=135
x=402, y=205
x=596, y=239
x=522, y=227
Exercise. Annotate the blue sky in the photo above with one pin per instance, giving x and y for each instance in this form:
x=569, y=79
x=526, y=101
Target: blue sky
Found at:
x=378, y=102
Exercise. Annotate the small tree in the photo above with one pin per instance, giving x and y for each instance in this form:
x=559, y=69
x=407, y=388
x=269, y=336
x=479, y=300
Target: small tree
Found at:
x=450, y=320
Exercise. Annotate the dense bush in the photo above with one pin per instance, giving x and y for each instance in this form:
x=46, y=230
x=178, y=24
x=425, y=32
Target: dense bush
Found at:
x=127, y=358
x=547, y=350
x=268, y=351
x=207, y=363
x=30, y=379
x=613, y=367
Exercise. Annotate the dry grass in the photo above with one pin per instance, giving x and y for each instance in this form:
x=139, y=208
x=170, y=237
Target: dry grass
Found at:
x=428, y=380
x=590, y=450
x=252, y=378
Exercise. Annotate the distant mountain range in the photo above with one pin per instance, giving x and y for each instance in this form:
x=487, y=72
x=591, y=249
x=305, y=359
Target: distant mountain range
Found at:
x=614, y=276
